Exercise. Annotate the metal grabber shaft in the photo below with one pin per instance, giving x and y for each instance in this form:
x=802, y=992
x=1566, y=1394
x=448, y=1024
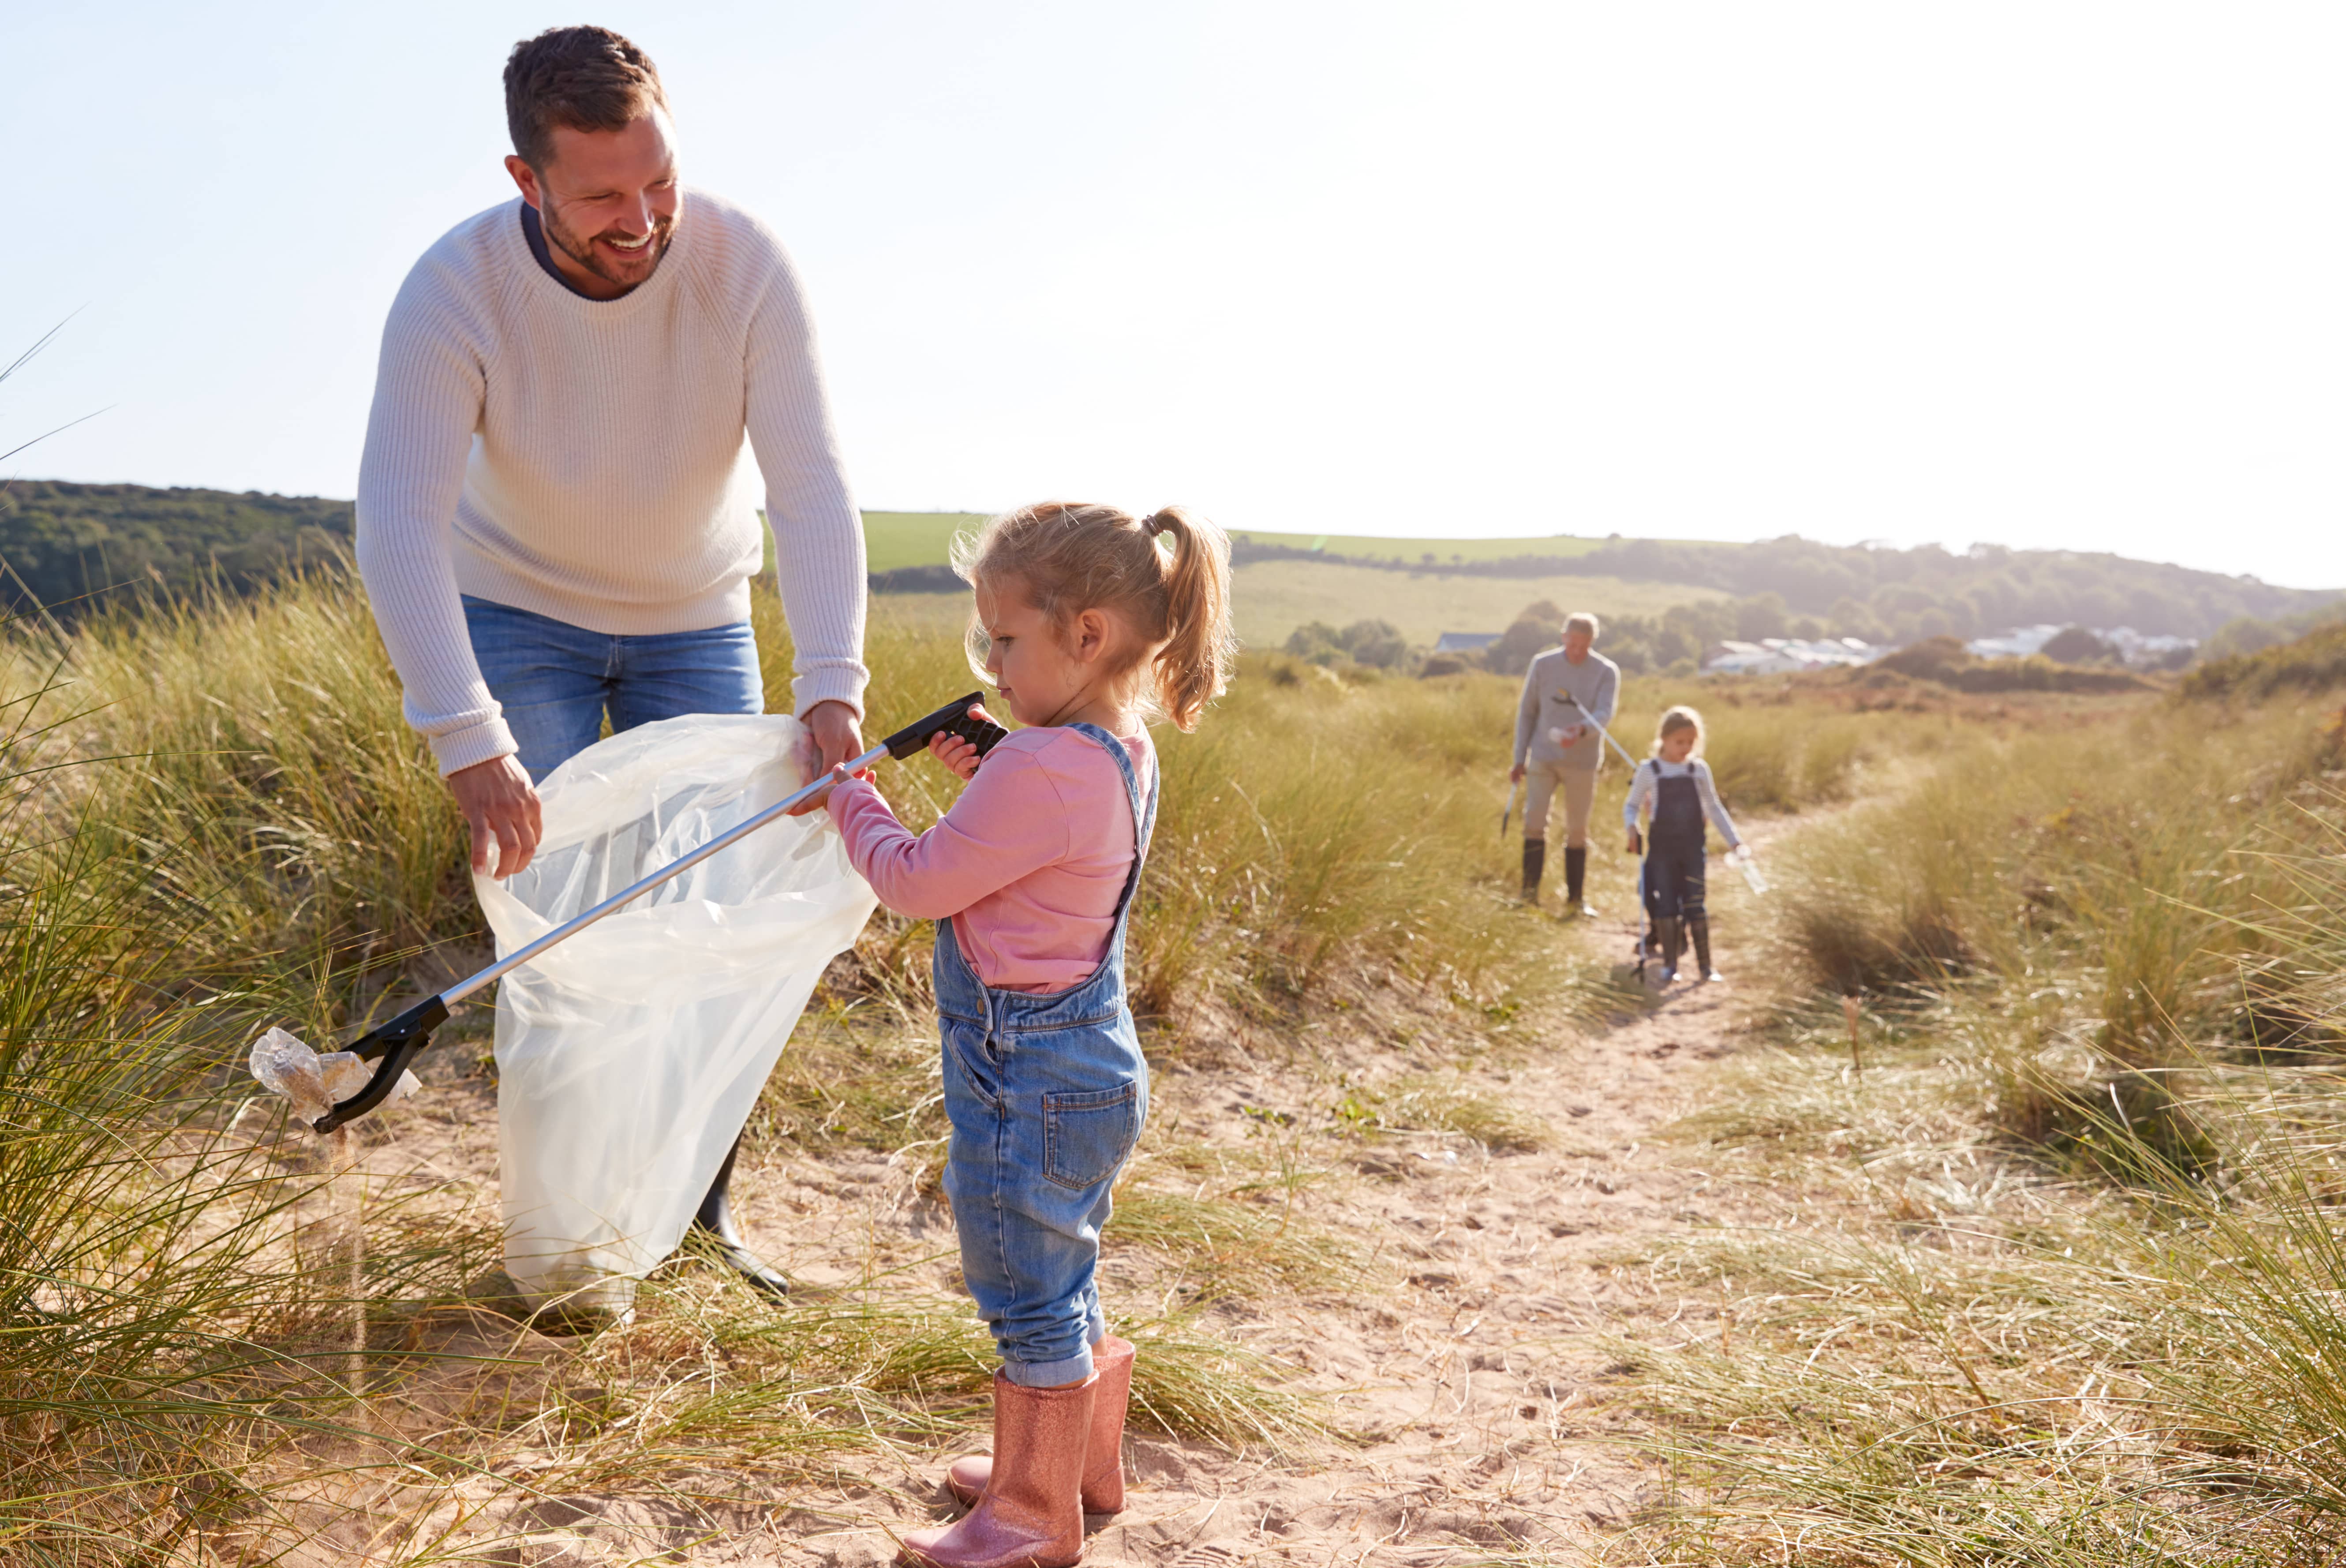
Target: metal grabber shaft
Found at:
x=396, y=1044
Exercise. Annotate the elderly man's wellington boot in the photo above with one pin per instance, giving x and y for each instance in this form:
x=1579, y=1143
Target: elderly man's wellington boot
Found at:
x=1030, y=1515
x=1534, y=863
x=1103, y=1463
x=1575, y=877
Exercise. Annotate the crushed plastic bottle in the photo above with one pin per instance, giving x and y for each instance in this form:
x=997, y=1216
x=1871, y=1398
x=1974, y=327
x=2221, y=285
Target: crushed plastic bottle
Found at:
x=1741, y=857
x=314, y=1082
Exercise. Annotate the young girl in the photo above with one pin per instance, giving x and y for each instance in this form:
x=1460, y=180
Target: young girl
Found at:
x=1092, y=622
x=1678, y=780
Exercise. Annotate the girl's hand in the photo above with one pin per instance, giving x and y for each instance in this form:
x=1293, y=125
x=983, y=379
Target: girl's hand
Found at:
x=840, y=775
x=956, y=753
x=1635, y=842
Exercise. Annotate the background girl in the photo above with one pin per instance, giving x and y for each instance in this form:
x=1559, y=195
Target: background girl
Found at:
x=1677, y=781
x=1093, y=622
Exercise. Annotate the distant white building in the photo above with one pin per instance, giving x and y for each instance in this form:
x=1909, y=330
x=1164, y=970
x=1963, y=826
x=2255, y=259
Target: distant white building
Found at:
x=2133, y=646
x=2137, y=649
x=2018, y=643
x=1464, y=642
x=1789, y=656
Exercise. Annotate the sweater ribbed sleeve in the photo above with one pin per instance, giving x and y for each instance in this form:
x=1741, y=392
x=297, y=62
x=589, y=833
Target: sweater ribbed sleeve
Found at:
x=578, y=459
x=817, y=537
x=428, y=392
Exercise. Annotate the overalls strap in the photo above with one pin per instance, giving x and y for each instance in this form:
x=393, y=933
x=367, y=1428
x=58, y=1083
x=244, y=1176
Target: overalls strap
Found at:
x=1144, y=812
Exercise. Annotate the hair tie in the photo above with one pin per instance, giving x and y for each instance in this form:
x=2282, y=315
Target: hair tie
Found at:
x=1156, y=523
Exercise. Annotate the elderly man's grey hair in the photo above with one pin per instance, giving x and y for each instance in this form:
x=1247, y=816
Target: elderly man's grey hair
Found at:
x=1580, y=621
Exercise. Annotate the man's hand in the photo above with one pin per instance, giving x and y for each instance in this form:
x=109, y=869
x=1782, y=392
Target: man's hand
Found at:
x=1515, y=774
x=1570, y=735
x=838, y=737
x=1635, y=842
x=500, y=808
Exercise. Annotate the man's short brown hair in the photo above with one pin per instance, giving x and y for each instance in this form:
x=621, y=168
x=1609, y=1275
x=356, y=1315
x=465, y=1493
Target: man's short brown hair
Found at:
x=588, y=78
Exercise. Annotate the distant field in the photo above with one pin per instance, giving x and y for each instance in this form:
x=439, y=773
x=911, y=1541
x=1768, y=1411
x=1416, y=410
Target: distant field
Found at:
x=1274, y=597
x=1442, y=550
x=893, y=539
x=921, y=538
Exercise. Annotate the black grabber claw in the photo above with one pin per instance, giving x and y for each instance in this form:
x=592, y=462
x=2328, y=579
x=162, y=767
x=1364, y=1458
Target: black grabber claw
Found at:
x=394, y=1045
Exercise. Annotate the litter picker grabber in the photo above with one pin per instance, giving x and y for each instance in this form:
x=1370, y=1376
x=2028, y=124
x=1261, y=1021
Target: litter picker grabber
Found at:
x=1600, y=729
x=1509, y=809
x=394, y=1045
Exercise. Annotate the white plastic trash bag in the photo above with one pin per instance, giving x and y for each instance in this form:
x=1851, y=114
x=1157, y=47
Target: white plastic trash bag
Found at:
x=629, y=1056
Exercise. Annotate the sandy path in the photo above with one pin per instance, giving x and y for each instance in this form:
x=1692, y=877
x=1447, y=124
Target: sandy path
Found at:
x=1473, y=1381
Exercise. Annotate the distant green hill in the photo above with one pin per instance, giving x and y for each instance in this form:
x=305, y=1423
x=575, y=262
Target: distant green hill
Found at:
x=65, y=542
x=1880, y=594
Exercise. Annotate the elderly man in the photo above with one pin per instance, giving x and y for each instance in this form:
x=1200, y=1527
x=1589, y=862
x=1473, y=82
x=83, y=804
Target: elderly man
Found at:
x=1568, y=692
x=551, y=522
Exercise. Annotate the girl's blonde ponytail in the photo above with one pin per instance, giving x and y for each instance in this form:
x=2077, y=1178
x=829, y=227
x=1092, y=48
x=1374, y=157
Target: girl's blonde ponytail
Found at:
x=1073, y=555
x=1193, y=667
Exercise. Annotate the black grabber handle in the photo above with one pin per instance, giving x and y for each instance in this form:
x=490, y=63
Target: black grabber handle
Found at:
x=953, y=718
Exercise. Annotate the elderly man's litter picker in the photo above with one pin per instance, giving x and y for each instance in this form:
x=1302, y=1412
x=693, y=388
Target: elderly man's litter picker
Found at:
x=393, y=1045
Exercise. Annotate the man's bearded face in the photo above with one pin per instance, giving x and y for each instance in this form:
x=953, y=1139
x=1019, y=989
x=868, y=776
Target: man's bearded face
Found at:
x=623, y=253
x=607, y=200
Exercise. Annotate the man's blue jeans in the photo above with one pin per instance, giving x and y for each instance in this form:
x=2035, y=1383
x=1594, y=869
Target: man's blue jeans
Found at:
x=556, y=681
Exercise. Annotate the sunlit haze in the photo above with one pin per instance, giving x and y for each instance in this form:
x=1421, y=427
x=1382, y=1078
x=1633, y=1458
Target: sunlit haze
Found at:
x=2047, y=275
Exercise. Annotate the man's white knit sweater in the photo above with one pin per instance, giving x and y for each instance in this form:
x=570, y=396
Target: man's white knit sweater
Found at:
x=581, y=459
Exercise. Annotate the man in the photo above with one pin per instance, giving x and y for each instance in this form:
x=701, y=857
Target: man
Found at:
x=1568, y=692
x=550, y=521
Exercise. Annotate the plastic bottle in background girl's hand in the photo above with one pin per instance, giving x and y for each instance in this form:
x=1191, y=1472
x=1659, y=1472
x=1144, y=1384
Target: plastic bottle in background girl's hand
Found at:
x=1741, y=857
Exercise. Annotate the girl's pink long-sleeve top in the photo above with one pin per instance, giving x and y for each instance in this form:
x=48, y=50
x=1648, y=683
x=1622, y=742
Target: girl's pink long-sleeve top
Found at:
x=1029, y=864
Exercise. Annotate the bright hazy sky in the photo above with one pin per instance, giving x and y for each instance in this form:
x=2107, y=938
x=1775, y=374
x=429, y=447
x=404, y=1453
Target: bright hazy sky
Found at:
x=2038, y=273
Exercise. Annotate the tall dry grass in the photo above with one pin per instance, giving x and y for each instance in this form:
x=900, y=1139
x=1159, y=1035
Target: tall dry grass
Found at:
x=215, y=819
x=134, y=1274
x=2081, y=1300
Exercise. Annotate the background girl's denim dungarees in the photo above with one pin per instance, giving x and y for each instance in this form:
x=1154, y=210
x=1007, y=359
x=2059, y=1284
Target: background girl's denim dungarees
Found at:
x=1673, y=851
x=1046, y=1094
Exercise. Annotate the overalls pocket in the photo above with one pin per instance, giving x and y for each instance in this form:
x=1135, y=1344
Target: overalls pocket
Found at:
x=1087, y=1135
x=966, y=1054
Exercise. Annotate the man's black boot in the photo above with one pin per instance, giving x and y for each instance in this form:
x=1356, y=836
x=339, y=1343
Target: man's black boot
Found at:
x=1534, y=863
x=1576, y=876
x=715, y=1221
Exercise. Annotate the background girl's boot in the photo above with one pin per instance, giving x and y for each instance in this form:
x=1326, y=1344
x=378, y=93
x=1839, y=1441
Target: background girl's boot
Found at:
x=1103, y=1461
x=1665, y=940
x=1699, y=928
x=1534, y=862
x=1030, y=1515
x=1576, y=876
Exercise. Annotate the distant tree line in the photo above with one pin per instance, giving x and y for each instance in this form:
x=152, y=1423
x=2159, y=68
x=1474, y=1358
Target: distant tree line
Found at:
x=68, y=545
x=1897, y=596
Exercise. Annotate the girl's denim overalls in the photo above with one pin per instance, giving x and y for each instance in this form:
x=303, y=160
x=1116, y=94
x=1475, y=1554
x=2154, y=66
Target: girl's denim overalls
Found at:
x=1046, y=1094
x=1673, y=849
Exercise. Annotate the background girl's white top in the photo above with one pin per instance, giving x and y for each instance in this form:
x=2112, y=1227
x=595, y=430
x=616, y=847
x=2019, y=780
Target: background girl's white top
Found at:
x=1641, y=790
